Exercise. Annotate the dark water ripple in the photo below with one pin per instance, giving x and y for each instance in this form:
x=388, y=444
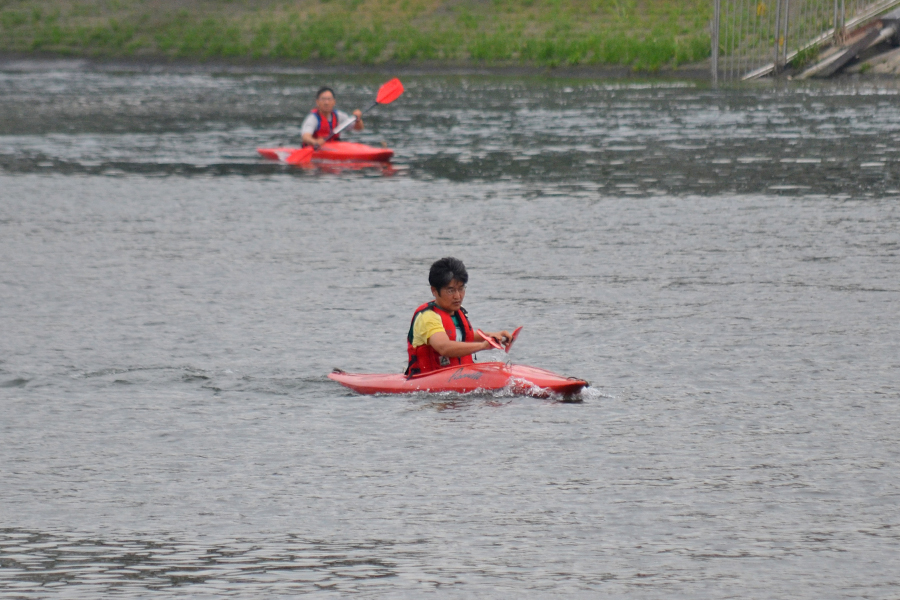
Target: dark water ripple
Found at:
x=721, y=265
x=635, y=138
x=35, y=564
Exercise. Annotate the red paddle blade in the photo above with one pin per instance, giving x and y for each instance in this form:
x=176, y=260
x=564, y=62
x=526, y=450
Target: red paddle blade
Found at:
x=389, y=92
x=300, y=156
x=515, y=334
x=489, y=339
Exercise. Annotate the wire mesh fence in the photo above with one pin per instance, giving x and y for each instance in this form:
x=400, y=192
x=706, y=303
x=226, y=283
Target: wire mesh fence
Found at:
x=753, y=38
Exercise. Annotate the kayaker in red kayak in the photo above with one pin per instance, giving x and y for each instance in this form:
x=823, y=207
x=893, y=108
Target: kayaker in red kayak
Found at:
x=440, y=334
x=324, y=119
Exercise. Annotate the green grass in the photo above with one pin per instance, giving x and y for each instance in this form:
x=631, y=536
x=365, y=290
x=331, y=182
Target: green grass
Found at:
x=644, y=35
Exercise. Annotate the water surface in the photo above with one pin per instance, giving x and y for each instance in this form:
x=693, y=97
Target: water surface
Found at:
x=720, y=264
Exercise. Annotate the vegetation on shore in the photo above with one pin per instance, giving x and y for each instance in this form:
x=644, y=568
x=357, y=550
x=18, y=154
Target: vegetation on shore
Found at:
x=640, y=34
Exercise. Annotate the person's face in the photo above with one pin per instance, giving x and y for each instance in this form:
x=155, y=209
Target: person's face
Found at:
x=450, y=297
x=325, y=102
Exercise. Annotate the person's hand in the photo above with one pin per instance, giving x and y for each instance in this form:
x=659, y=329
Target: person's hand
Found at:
x=358, y=114
x=504, y=337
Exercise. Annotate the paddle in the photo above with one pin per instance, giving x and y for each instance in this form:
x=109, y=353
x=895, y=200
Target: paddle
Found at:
x=515, y=334
x=387, y=93
x=493, y=342
x=489, y=339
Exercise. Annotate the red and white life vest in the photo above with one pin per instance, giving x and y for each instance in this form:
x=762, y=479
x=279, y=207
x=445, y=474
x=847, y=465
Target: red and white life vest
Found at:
x=326, y=128
x=424, y=358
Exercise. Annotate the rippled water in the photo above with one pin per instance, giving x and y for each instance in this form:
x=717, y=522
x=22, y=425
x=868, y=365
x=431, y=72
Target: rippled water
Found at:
x=722, y=265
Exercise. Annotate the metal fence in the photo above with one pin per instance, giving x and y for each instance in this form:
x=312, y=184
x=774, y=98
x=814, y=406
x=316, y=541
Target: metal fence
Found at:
x=753, y=38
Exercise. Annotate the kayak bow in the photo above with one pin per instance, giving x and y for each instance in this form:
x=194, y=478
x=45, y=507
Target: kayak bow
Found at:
x=488, y=376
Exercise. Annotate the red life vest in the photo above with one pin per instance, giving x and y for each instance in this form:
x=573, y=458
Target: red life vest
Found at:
x=424, y=358
x=326, y=128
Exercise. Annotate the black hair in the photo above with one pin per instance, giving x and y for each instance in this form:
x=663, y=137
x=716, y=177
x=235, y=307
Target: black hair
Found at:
x=324, y=89
x=446, y=270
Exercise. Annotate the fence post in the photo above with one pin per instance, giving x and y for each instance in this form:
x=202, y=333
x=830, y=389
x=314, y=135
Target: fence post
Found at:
x=835, y=23
x=714, y=35
x=787, y=18
x=843, y=21
x=777, y=23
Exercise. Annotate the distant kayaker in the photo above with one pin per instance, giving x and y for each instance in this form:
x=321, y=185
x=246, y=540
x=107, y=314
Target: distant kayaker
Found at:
x=324, y=119
x=440, y=334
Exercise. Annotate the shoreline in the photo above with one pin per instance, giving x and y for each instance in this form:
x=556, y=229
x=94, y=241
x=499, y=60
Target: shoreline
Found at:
x=34, y=61
x=697, y=73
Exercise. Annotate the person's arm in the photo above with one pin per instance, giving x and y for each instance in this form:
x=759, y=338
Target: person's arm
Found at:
x=310, y=140
x=308, y=131
x=444, y=346
x=344, y=117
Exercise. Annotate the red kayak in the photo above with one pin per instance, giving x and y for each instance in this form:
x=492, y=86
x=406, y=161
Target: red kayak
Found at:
x=487, y=376
x=334, y=151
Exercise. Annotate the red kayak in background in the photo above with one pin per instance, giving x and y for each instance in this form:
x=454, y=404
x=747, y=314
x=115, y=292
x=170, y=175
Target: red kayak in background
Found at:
x=350, y=151
x=341, y=151
x=488, y=376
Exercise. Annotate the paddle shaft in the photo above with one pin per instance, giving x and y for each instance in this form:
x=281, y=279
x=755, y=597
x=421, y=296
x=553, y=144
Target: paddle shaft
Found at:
x=349, y=122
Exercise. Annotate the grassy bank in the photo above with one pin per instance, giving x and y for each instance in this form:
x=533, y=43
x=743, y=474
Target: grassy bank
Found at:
x=642, y=34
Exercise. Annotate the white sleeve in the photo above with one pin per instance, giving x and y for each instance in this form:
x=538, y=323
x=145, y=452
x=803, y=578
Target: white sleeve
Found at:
x=343, y=118
x=310, y=124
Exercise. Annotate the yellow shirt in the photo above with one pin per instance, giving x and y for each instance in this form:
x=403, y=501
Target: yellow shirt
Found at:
x=427, y=324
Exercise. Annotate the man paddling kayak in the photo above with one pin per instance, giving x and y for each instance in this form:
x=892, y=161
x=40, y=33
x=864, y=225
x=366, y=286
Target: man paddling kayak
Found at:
x=440, y=334
x=324, y=119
